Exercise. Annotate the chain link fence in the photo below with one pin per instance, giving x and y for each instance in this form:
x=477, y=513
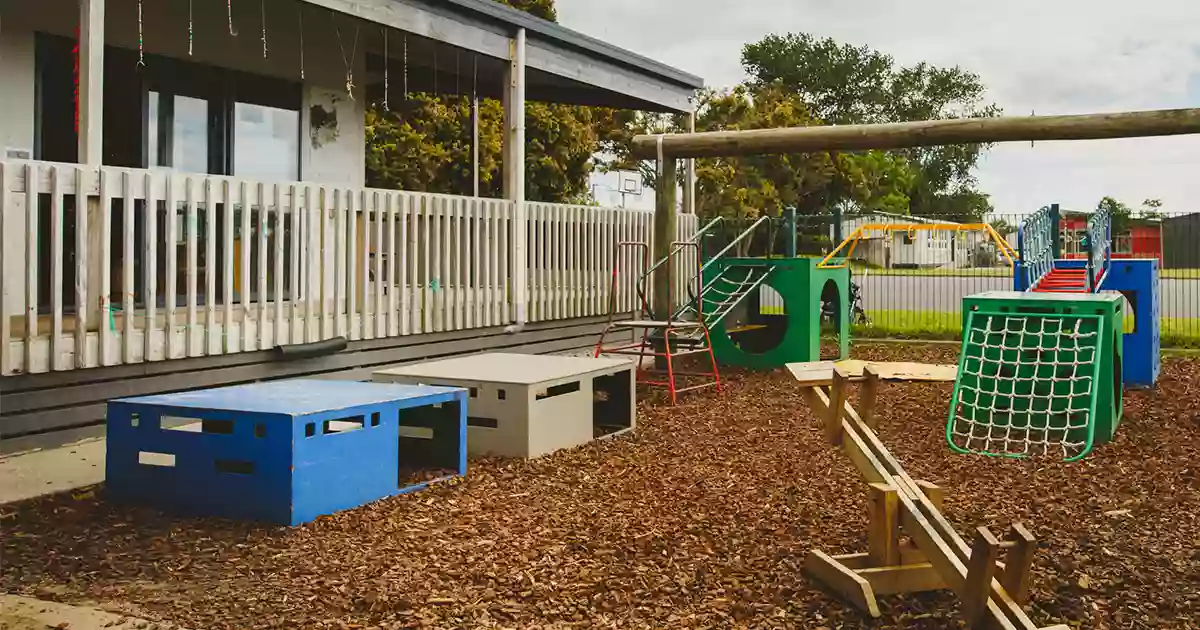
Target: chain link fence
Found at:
x=910, y=282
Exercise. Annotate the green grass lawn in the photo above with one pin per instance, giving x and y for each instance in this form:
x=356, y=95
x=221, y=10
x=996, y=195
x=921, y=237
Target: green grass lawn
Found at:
x=1177, y=332
x=992, y=272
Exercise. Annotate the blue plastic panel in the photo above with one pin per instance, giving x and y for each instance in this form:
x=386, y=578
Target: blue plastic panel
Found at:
x=1137, y=279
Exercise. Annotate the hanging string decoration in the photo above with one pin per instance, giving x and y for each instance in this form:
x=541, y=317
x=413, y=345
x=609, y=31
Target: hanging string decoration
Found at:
x=406, y=66
x=348, y=62
x=300, y=13
x=141, y=41
x=190, y=29
x=229, y=17
x=262, y=6
x=386, y=108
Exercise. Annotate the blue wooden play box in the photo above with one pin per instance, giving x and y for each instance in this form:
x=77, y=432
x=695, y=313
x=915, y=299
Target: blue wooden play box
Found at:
x=284, y=452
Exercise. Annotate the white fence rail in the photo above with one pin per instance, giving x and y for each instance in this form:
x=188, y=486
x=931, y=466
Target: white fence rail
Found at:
x=105, y=266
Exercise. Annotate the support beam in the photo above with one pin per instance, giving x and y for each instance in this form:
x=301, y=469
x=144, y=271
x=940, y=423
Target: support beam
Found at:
x=664, y=235
x=514, y=171
x=1167, y=122
x=91, y=81
x=90, y=245
x=689, y=173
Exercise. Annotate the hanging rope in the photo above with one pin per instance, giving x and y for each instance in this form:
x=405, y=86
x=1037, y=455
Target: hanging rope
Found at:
x=386, y=108
x=190, y=29
x=229, y=17
x=300, y=13
x=141, y=41
x=348, y=62
x=263, y=16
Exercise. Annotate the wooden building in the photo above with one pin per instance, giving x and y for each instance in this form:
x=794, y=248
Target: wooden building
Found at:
x=182, y=195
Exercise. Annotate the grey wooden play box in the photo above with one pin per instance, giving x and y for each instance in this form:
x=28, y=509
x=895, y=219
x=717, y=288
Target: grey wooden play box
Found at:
x=523, y=405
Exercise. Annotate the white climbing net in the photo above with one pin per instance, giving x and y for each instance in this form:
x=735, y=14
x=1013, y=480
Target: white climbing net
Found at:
x=1026, y=386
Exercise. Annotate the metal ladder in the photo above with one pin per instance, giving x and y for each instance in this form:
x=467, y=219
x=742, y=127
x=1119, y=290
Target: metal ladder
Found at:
x=686, y=329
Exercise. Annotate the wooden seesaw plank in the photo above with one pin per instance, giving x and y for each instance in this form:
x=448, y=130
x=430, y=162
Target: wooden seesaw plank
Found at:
x=987, y=600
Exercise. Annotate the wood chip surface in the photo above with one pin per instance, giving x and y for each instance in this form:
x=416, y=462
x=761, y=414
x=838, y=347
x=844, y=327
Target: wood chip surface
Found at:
x=701, y=519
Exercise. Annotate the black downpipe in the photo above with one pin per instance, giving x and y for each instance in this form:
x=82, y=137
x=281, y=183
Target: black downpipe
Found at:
x=309, y=350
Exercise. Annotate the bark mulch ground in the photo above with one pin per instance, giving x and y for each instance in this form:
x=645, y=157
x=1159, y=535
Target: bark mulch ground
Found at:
x=702, y=518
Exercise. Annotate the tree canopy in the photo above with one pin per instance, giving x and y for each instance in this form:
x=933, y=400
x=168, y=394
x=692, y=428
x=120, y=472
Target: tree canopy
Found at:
x=424, y=143
x=844, y=84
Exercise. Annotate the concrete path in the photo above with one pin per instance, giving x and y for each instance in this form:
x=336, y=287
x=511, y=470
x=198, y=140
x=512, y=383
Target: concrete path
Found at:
x=24, y=613
x=42, y=472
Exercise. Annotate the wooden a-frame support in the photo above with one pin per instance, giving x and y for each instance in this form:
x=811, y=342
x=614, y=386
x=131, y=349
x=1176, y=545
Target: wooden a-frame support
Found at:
x=934, y=556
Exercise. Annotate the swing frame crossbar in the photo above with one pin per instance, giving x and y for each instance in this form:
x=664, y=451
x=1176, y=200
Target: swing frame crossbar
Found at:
x=933, y=556
x=837, y=260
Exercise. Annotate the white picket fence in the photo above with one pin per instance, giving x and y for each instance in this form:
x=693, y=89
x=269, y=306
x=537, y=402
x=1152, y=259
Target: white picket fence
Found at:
x=255, y=265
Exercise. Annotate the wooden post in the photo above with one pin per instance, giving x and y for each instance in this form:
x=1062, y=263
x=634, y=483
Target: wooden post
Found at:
x=935, y=493
x=514, y=171
x=664, y=235
x=922, y=134
x=882, y=537
x=1015, y=578
x=981, y=567
x=837, y=406
x=867, y=394
x=91, y=81
x=91, y=246
x=689, y=173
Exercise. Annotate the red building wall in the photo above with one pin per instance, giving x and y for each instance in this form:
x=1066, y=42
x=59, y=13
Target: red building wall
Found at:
x=1141, y=240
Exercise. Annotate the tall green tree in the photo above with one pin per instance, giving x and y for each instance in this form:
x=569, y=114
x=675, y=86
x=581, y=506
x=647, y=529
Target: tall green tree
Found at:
x=844, y=84
x=424, y=143
x=752, y=185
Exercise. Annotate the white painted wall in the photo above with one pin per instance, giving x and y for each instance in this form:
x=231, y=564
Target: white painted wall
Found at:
x=16, y=89
x=164, y=31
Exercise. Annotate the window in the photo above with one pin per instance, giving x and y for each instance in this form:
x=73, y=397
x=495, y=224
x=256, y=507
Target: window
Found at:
x=266, y=142
x=177, y=132
x=1123, y=244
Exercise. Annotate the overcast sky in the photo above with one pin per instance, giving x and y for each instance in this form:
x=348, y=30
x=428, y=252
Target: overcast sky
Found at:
x=1048, y=56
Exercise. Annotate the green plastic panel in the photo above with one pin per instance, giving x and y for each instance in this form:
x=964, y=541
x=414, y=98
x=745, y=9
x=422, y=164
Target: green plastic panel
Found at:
x=1039, y=374
x=772, y=329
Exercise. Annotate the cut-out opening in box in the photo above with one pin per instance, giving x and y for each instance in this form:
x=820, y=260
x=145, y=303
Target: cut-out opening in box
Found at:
x=612, y=409
x=429, y=443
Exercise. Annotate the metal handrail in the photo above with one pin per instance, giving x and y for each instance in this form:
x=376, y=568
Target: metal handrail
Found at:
x=612, y=290
x=677, y=245
x=735, y=241
x=1099, y=255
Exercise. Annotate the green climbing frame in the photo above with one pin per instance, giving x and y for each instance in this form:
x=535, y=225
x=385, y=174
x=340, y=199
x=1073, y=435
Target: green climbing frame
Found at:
x=1039, y=374
x=770, y=329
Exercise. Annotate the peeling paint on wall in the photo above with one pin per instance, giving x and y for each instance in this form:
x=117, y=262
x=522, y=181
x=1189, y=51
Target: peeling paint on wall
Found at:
x=323, y=124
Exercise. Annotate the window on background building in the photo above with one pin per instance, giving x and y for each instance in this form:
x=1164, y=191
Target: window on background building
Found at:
x=1123, y=244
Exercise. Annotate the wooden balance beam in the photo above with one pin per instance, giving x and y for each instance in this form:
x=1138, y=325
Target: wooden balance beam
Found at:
x=992, y=593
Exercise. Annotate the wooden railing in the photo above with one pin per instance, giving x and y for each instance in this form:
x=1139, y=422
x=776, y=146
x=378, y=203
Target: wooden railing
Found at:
x=254, y=265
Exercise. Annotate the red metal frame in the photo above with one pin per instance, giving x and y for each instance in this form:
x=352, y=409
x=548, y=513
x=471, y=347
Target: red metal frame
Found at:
x=646, y=346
